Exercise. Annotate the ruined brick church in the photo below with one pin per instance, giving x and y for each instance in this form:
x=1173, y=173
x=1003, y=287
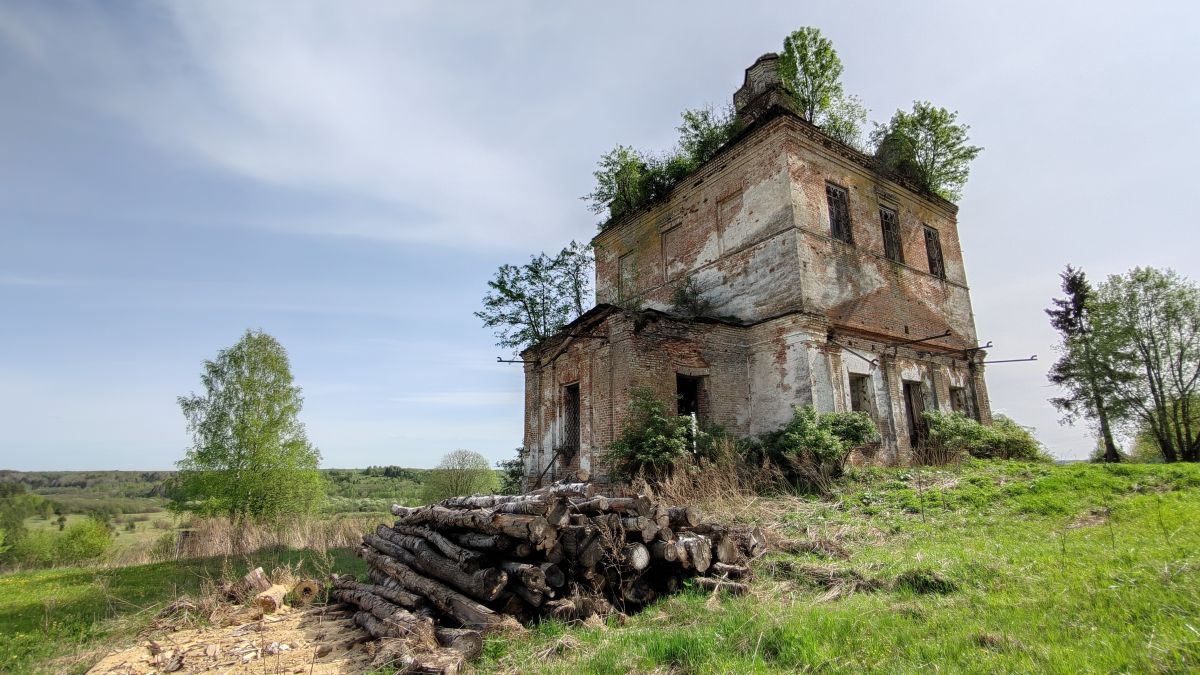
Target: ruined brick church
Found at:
x=831, y=284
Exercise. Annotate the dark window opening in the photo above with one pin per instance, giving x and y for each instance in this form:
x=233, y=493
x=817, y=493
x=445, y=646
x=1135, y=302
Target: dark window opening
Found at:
x=860, y=394
x=571, y=418
x=839, y=213
x=687, y=388
x=933, y=248
x=914, y=406
x=960, y=401
x=892, y=247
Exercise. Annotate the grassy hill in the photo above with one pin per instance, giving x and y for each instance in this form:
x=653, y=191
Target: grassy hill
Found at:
x=986, y=567
x=989, y=567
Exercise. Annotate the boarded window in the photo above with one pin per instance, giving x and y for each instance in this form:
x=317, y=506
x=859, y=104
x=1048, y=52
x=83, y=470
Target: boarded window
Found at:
x=571, y=418
x=626, y=277
x=839, y=213
x=933, y=249
x=892, y=248
x=860, y=394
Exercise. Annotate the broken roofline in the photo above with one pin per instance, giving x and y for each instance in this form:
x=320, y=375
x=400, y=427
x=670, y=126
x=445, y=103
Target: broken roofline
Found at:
x=578, y=327
x=775, y=108
x=581, y=325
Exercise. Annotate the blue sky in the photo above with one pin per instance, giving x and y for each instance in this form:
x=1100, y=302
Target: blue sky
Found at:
x=347, y=176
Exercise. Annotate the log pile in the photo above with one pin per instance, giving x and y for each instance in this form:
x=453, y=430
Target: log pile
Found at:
x=449, y=572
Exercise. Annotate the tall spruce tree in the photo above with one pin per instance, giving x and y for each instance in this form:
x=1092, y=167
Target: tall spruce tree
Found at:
x=1080, y=370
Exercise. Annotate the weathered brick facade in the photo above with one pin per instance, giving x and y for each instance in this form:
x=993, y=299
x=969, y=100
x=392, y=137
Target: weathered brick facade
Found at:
x=805, y=317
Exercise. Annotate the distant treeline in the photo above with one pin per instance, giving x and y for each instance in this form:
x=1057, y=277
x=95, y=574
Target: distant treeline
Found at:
x=109, y=493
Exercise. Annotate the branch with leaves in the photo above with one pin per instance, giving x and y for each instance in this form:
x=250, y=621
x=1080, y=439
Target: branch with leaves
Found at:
x=528, y=303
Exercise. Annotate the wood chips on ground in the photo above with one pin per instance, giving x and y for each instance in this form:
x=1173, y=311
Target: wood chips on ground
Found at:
x=294, y=640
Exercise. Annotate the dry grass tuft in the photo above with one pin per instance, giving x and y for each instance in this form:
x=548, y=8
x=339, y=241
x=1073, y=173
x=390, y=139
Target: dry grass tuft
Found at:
x=835, y=581
x=724, y=481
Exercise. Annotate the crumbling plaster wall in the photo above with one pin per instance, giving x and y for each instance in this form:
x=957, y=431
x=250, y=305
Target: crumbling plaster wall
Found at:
x=730, y=226
x=855, y=284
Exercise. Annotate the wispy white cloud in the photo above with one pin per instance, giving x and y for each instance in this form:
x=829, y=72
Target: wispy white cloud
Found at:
x=350, y=105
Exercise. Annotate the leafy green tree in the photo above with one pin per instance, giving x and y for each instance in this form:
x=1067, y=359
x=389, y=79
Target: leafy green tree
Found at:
x=3, y=547
x=16, y=504
x=250, y=457
x=528, y=303
x=1084, y=368
x=811, y=71
x=512, y=474
x=1150, y=322
x=627, y=179
x=704, y=132
x=653, y=439
x=929, y=146
x=620, y=182
x=461, y=472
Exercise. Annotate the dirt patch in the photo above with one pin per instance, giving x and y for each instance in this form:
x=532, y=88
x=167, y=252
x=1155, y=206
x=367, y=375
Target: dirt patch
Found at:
x=293, y=640
x=1092, y=518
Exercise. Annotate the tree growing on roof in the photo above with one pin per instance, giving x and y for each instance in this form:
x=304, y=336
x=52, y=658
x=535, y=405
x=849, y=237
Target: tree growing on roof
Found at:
x=528, y=303
x=929, y=146
x=811, y=71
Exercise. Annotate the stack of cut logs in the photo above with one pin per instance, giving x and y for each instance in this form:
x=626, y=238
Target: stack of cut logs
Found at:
x=473, y=564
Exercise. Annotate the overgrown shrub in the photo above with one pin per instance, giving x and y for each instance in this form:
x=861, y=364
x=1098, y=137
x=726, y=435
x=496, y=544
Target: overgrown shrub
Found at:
x=511, y=471
x=164, y=547
x=812, y=448
x=627, y=179
x=954, y=435
x=688, y=301
x=653, y=439
x=35, y=549
x=83, y=541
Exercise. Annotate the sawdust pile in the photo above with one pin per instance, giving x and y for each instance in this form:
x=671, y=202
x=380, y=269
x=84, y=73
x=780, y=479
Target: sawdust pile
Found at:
x=292, y=640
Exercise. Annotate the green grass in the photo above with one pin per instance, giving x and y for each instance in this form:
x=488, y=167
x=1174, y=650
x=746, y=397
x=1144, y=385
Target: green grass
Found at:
x=989, y=567
x=144, y=534
x=49, y=617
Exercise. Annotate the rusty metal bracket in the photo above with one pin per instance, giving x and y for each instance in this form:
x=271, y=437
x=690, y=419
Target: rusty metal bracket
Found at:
x=894, y=345
x=1032, y=358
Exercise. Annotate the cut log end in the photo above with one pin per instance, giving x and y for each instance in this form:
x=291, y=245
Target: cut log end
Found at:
x=271, y=600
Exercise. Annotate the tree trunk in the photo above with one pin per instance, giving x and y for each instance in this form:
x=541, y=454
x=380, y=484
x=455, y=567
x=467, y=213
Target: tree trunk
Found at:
x=396, y=596
x=271, y=600
x=467, y=642
x=468, y=559
x=531, y=576
x=636, y=556
x=467, y=612
x=683, y=517
x=493, y=543
x=722, y=586
x=485, y=584
x=534, y=529
x=394, y=621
